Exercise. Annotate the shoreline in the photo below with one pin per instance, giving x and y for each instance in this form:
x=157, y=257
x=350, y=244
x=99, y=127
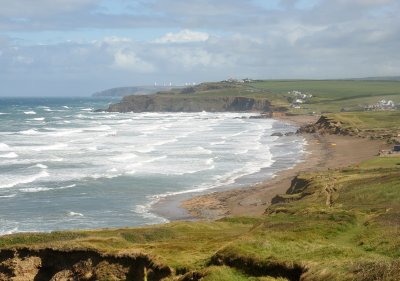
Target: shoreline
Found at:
x=322, y=152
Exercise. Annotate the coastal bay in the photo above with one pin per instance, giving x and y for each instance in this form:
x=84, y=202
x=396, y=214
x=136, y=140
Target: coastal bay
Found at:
x=331, y=214
x=322, y=152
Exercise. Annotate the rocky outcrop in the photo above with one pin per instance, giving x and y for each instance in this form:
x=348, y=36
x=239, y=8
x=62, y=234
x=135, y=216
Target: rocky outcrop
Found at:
x=61, y=265
x=178, y=103
x=326, y=125
x=296, y=191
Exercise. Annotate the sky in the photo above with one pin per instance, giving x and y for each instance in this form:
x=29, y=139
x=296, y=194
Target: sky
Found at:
x=78, y=47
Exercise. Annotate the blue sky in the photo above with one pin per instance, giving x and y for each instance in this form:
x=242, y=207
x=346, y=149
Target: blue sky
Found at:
x=77, y=47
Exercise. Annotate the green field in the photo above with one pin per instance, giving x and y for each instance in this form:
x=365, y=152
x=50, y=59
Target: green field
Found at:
x=328, y=95
x=380, y=120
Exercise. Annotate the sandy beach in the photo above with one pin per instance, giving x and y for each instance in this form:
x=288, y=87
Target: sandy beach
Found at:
x=322, y=152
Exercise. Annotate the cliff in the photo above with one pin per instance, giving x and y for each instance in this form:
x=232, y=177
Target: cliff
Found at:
x=170, y=103
x=77, y=264
x=374, y=125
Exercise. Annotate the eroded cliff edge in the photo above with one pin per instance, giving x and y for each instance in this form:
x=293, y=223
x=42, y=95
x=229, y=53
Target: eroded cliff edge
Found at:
x=160, y=103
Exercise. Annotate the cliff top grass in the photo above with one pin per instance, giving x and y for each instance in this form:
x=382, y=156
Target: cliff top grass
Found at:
x=328, y=95
x=379, y=120
x=345, y=226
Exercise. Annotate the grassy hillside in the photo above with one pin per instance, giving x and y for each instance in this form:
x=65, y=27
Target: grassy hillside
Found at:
x=373, y=125
x=328, y=95
x=383, y=120
x=336, y=225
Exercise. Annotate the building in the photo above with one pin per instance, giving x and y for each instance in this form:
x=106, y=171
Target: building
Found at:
x=381, y=105
x=396, y=148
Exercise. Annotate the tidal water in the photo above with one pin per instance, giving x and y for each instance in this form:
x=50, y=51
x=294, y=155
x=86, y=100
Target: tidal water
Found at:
x=64, y=166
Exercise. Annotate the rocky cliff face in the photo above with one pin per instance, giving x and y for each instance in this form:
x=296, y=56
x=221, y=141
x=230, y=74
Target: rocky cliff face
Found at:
x=326, y=125
x=162, y=103
x=56, y=265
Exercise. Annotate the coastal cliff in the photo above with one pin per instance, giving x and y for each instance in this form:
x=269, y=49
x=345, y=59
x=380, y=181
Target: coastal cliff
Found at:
x=160, y=103
x=375, y=125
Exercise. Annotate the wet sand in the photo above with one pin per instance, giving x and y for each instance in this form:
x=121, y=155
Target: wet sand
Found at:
x=322, y=152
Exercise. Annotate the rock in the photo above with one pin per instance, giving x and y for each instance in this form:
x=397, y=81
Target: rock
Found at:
x=24, y=264
x=277, y=134
x=290, y=134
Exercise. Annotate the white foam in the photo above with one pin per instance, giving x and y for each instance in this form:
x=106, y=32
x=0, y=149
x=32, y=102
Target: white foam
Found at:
x=67, y=186
x=74, y=214
x=8, y=182
x=9, y=155
x=87, y=109
x=4, y=147
x=9, y=231
x=56, y=146
x=110, y=134
x=35, y=189
x=99, y=128
x=218, y=142
x=37, y=119
x=124, y=157
x=29, y=132
x=66, y=132
x=8, y=196
x=41, y=166
x=31, y=112
x=66, y=107
x=2, y=113
x=144, y=211
x=210, y=161
x=202, y=150
x=40, y=189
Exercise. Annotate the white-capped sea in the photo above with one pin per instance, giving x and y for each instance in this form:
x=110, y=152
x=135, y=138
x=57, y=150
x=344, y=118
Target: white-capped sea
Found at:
x=63, y=166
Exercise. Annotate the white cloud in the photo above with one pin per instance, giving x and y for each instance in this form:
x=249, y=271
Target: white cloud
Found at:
x=114, y=40
x=184, y=36
x=128, y=60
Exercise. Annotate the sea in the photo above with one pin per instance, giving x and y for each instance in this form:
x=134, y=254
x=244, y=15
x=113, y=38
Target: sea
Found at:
x=64, y=166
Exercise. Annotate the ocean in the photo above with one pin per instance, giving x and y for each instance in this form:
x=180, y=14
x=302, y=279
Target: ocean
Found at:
x=64, y=166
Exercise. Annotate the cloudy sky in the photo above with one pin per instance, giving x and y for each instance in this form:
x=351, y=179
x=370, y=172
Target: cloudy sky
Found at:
x=77, y=47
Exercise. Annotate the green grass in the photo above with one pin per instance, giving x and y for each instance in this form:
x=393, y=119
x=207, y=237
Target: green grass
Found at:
x=328, y=95
x=384, y=120
x=333, y=89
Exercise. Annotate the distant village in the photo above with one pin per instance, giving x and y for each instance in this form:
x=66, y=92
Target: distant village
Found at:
x=297, y=98
x=382, y=105
x=233, y=80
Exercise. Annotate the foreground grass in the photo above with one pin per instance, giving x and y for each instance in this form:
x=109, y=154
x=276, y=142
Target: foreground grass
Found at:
x=344, y=227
